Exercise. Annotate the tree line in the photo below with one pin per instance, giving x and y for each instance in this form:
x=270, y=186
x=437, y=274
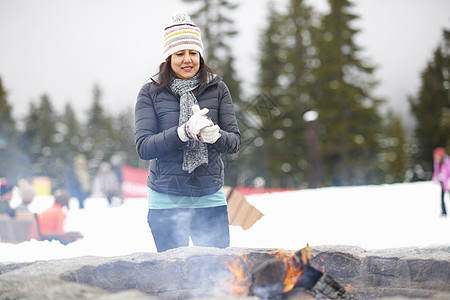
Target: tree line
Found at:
x=313, y=122
x=50, y=139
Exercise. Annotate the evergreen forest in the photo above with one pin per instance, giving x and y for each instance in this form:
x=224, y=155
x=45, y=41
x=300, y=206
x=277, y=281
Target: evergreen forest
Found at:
x=314, y=121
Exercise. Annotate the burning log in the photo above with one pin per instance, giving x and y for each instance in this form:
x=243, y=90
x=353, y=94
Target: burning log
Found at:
x=276, y=277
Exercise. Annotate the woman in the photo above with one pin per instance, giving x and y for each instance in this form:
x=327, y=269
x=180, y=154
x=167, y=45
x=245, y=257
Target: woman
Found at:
x=184, y=120
x=441, y=174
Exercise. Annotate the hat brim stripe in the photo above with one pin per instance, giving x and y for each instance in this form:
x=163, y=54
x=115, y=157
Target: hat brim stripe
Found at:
x=184, y=42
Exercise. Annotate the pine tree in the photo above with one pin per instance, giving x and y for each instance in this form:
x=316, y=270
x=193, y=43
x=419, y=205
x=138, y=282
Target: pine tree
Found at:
x=47, y=123
x=10, y=163
x=296, y=82
x=394, y=155
x=39, y=137
x=270, y=61
x=30, y=137
x=72, y=133
x=286, y=64
x=6, y=120
x=431, y=107
x=123, y=132
x=348, y=113
x=253, y=154
x=98, y=145
x=7, y=124
x=68, y=137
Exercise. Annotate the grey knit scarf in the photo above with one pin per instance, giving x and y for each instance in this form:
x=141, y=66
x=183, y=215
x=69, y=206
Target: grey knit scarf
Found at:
x=195, y=153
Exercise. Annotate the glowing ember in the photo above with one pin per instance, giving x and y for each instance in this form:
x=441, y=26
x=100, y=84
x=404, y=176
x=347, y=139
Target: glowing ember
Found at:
x=349, y=288
x=322, y=267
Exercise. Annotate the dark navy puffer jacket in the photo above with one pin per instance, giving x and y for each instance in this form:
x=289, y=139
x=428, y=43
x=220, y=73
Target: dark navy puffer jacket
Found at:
x=156, y=138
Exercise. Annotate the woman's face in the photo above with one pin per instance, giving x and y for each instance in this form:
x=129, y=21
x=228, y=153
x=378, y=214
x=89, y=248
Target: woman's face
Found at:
x=185, y=63
x=439, y=157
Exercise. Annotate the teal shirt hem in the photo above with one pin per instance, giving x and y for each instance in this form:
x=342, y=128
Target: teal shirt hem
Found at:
x=158, y=200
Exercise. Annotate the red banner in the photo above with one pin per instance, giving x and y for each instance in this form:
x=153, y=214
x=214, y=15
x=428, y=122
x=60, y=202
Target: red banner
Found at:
x=134, y=182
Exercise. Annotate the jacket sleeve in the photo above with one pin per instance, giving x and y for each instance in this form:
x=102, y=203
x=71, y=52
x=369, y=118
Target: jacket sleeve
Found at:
x=150, y=142
x=230, y=139
x=435, y=176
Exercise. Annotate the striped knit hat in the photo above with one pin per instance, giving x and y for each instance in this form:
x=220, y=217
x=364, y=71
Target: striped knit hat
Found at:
x=181, y=35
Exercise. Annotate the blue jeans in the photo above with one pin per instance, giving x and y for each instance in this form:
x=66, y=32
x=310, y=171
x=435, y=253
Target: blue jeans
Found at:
x=207, y=227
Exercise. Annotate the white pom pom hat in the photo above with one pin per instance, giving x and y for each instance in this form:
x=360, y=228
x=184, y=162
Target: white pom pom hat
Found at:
x=183, y=34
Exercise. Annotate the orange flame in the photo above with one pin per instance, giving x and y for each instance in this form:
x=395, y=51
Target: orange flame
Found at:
x=293, y=274
x=239, y=280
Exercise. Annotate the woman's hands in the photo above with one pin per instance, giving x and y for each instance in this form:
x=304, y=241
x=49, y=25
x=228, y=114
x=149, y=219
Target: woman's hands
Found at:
x=199, y=127
x=210, y=134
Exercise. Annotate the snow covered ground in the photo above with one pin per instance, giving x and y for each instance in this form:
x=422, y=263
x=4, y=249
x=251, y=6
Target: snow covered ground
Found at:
x=371, y=217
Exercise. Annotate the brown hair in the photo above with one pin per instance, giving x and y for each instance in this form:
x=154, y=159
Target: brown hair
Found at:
x=166, y=75
x=62, y=197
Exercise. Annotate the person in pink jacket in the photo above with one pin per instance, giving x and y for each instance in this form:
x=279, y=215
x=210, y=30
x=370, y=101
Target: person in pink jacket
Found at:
x=441, y=174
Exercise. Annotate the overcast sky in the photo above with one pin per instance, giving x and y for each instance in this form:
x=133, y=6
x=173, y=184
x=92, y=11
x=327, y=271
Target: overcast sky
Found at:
x=63, y=47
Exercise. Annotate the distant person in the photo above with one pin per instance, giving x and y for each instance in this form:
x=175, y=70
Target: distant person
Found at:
x=185, y=120
x=27, y=194
x=441, y=174
x=52, y=220
x=116, y=165
x=71, y=183
x=83, y=178
x=106, y=183
x=5, y=197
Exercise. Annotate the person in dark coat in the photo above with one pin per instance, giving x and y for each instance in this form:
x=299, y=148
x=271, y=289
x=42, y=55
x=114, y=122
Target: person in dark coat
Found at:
x=76, y=178
x=71, y=183
x=185, y=120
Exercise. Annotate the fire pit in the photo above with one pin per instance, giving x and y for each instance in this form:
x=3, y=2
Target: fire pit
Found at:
x=196, y=272
x=277, y=277
x=284, y=275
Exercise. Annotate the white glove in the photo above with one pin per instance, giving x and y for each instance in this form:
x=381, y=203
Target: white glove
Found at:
x=210, y=134
x=195, y=124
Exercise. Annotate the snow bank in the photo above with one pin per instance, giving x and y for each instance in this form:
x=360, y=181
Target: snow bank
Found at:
x=371, y=217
